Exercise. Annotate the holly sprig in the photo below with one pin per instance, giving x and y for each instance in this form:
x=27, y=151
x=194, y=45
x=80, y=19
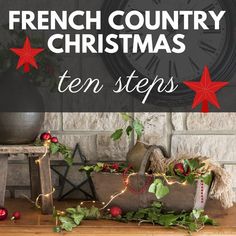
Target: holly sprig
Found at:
x=193, y=221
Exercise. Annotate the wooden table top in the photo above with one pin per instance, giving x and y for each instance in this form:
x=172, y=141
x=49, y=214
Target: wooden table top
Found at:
x=33, y=223
x=21, y=149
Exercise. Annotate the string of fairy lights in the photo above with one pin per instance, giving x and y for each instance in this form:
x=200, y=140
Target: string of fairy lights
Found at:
x=113, y=196
x=38, y=161
x=126, y=181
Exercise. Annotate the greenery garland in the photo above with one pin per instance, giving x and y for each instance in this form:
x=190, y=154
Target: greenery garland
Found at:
x=193, y=221
x=55, y=147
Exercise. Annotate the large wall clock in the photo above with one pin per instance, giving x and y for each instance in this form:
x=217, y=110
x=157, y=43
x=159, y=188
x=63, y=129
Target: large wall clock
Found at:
x=215, y=48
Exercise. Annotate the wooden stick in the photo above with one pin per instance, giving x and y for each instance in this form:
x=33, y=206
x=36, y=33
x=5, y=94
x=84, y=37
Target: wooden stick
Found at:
x=46, y=185
x=3, y=177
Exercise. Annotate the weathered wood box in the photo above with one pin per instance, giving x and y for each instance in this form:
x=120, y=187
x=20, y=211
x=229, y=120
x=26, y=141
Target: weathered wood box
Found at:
x=181, y=197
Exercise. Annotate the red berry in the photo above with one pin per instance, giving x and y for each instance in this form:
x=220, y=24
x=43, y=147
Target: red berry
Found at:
x=16, y=215
x=105, y=168
x=45, y=136
x=115, y=211
x=115, y=166
x=179, y=169
x=3, y=213
x=54, y=140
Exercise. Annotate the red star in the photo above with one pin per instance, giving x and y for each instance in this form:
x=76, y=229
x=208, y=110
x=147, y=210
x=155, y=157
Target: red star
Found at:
x=27, y=55
x=205, y=90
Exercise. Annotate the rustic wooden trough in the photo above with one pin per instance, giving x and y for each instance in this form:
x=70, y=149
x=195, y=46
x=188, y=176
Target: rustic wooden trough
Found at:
x=180, y=197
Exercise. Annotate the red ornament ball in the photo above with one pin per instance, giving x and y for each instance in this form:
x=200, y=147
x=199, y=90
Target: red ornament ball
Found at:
x=16, y=215
x=115, y=166
x=115, y=211
x=54, y=140
x=45, y=136
x=3, y=213
x=179, y=169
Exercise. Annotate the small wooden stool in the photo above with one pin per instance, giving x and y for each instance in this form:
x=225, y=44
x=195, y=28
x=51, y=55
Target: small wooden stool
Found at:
x=40, y=174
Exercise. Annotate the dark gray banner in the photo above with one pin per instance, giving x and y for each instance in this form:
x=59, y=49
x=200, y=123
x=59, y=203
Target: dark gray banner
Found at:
x=117, y=55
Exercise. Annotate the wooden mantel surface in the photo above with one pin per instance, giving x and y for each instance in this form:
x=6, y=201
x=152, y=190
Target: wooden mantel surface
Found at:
x=33, y=223
x=21, y=149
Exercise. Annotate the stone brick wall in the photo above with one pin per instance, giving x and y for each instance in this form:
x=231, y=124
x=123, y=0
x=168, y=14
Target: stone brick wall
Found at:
x=213, y=135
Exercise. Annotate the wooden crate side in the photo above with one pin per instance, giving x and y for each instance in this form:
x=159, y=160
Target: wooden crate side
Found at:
x=180, y=197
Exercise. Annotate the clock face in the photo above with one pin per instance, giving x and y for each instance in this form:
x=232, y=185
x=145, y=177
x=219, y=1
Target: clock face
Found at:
x=203, y=47
x=214, y=48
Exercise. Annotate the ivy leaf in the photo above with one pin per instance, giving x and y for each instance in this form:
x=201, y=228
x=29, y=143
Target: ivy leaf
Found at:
x=207, y=178
x=68, y=159
x=192, y=221
x=161, y=191
x=152, y=216
x=67, y=223
x=86, y=168
x=77, y=218
x=138, y=127
x=100, y=164
x=80, y=210
x=65, y=219
x=57, y=229
x=140, y=214
x=168, y=219
x=193, y=164
x=152, y=188
x=190, y=178
x=93, y=213
x=158, y=188
x=71, y=210
x=117, y=134
x=54, y=148
x=157, y=205
x=126, y=116
x=129, y=215
x=67, y=226
x=98, y=168
x=186, y=165
x=206, y=220
x=192, y=226
x=171, y=171
x=129, y=130
x=196, y=213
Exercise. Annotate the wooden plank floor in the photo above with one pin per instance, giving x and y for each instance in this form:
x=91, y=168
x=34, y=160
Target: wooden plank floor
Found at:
x=33, y=223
